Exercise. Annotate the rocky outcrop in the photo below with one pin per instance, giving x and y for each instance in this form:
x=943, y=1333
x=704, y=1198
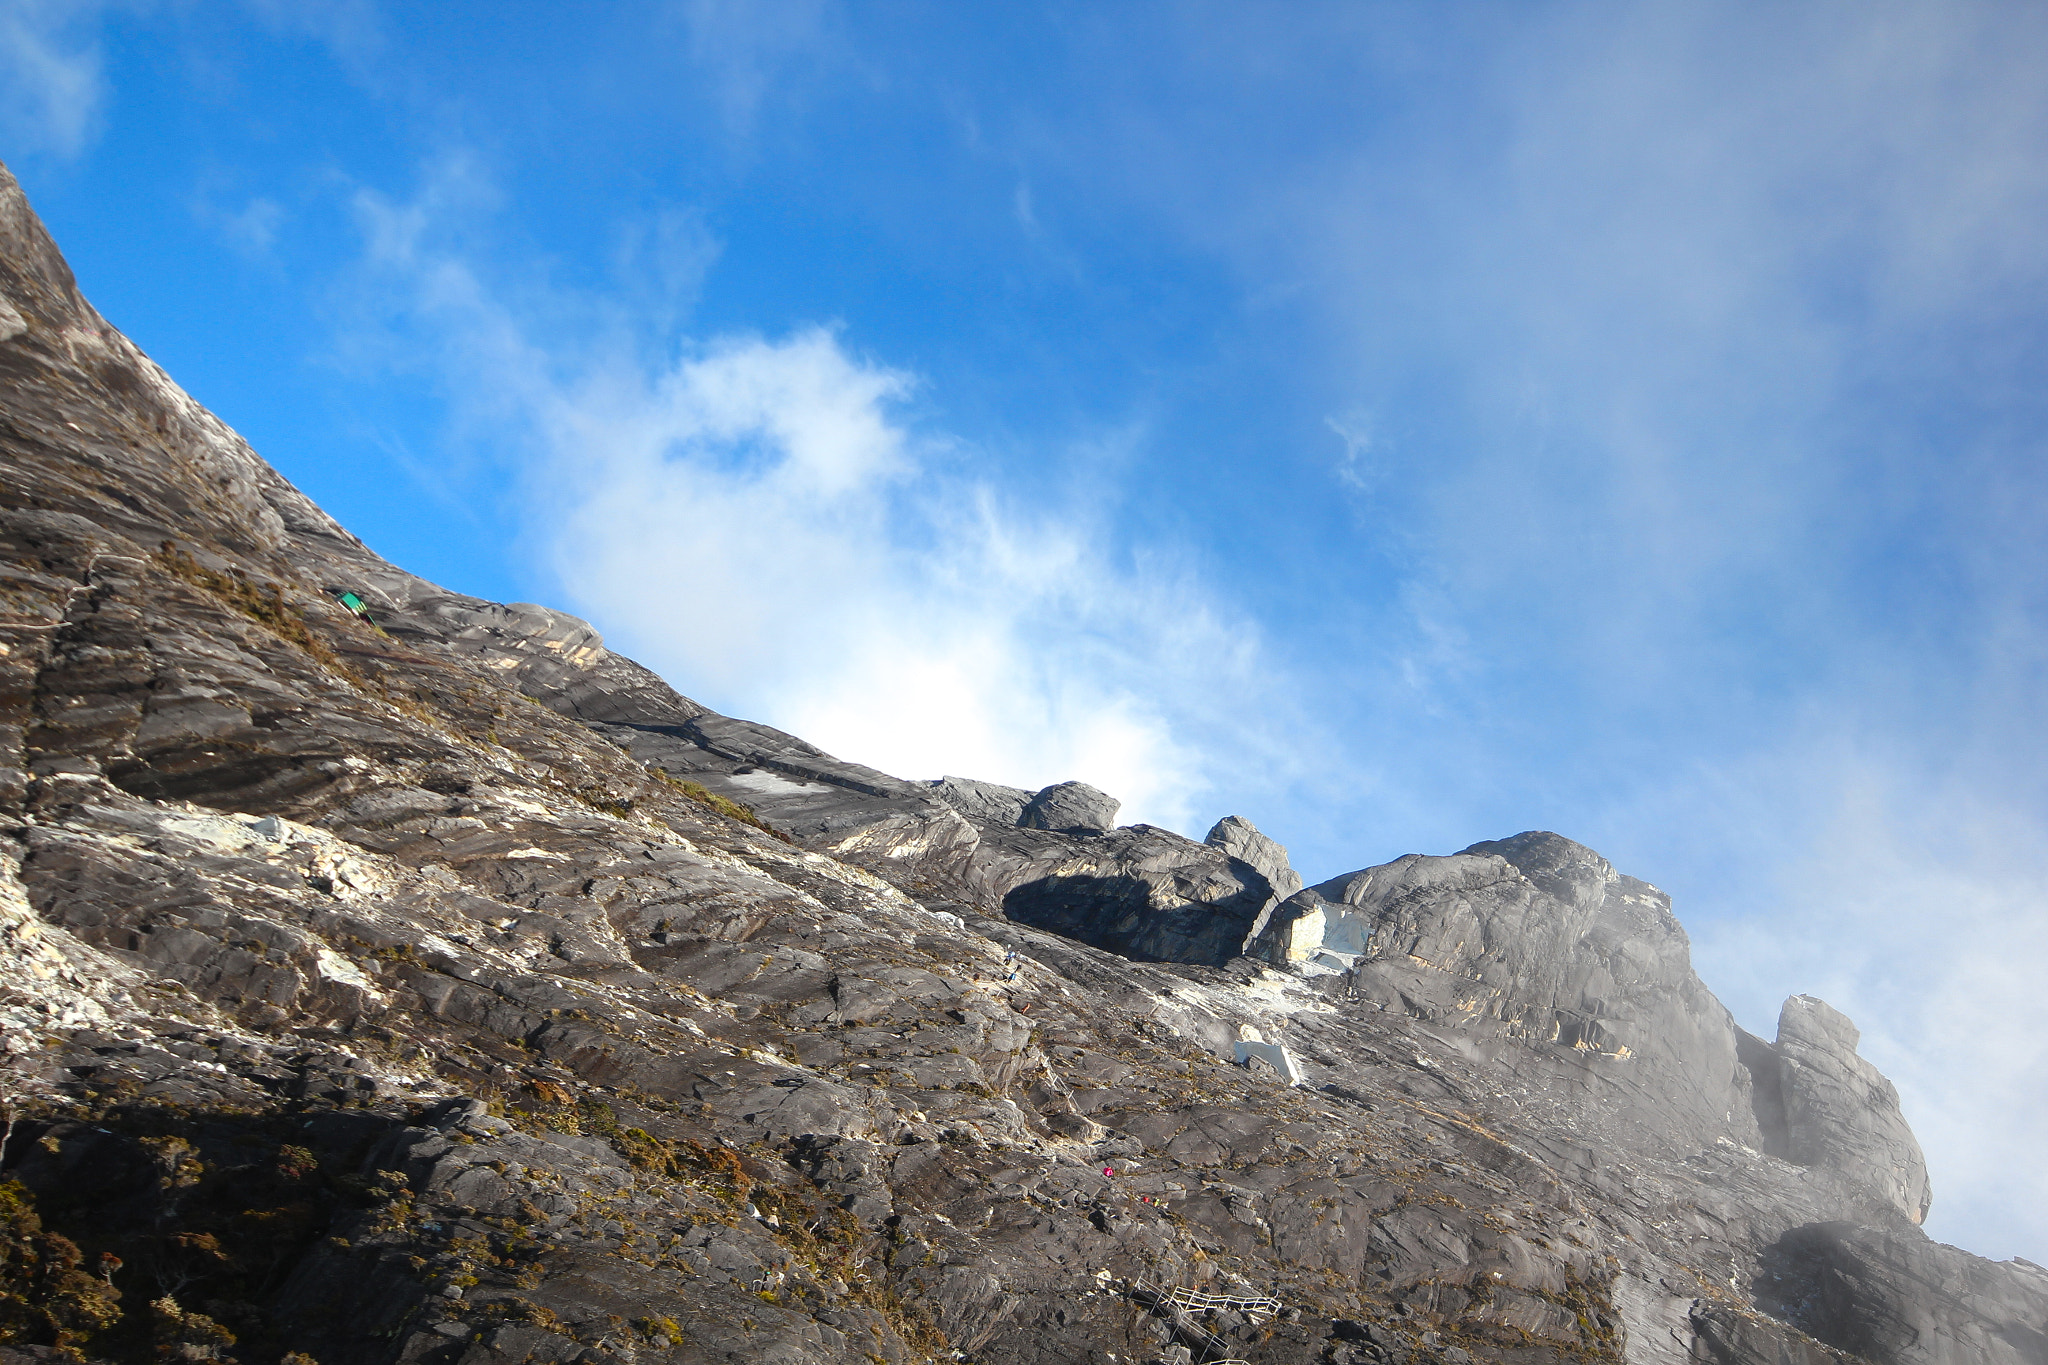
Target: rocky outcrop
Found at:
x=48, y=979
x=431, y=993
x=546, y=654
x=1071, y=807
x=987, y=802
x=1822, y=1105
x=1291, y=932
x=1891, y=1294
x=1542, y=939
x=1139, y=891
x=1068, y=807
x=1239, y=838
x=1297, y=932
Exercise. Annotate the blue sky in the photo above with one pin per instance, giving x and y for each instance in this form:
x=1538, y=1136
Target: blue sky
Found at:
x=1398, y=424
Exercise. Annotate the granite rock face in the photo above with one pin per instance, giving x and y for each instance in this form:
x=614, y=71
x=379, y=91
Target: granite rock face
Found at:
x=1071, y=807
x=1889, y=1294
x=988, y=802
x=1826, y=1106
x=1539, y=939
x=1138, y=891
x=449, y=990
x=1239, y=838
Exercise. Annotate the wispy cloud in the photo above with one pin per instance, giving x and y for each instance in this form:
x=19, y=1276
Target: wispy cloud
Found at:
x=1355, y=466
x=352, y=29
x=1676, y=288
x=764, y=521
x=662, y=262
x=51, y=85
x=747, y=53
x=250, y=229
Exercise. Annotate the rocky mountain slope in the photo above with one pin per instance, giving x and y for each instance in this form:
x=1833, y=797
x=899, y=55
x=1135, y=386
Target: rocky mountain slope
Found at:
x=441, y=987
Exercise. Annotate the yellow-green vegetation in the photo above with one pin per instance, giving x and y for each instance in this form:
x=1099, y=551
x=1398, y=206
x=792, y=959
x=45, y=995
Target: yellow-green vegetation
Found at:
x=234, y=1196
x=661, y=1329
x=47, y=1298
x=718, y=1170
x=828, y=1244
x=555, y=1109
x=516, y=1309
x=598, y=799
x=185, y=1335
x=264, y=604
x=730, y=809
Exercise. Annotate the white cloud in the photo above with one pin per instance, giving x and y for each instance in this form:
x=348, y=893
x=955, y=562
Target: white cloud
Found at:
x=755, y=522
x=1027, y=215
x=760, y=520
x=352, y=29
x=662, y=261
x=51, y=86
x=1677, y=280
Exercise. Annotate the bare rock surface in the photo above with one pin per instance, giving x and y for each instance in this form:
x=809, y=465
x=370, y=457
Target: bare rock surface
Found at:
x=1889, y=1294
x=1239, y=838
x=988, y=802
x=444, y=988
x=1838, y=1111
x=1071, y=807
x=1139, y=891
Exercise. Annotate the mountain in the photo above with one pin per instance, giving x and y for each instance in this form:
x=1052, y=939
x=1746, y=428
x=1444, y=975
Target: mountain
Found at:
x=426, y=983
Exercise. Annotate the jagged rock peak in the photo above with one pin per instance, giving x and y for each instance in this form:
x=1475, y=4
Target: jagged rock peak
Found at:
x=1071, y=806
x=1240, y=839
x=1840, y=1112
x=42, y=288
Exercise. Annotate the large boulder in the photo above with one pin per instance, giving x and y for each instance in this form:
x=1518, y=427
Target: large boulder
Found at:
x=1140, y=891
x=1071, y=807
x=1239, y=838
